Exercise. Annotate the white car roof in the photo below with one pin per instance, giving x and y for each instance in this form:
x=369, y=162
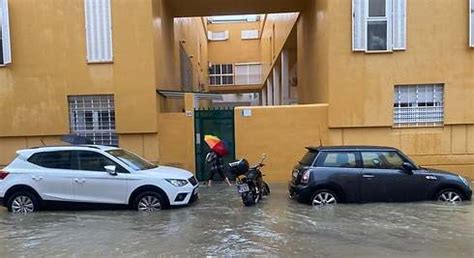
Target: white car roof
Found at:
x=31, y=151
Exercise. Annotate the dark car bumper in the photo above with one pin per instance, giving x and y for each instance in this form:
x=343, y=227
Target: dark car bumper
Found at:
x=301, y=193
x=468, y=195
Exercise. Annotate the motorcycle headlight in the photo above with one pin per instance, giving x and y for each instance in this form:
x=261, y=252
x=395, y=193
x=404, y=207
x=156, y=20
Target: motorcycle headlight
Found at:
x=464, y=180
x=177, y=182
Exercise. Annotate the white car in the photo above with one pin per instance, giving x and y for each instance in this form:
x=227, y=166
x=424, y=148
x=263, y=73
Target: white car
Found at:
x=93, y=175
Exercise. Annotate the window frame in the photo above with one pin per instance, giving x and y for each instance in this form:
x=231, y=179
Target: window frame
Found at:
x=388, y=18
x=5, y=35
x=221, y=75
x=80, y=118
x=471, y=23
x=438, y=108
x=248, y=74
x=98, y=36
x=120, y=169
x=323, y=155
x=73, y=164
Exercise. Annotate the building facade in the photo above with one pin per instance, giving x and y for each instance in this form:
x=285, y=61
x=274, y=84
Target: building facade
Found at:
x=380, y=72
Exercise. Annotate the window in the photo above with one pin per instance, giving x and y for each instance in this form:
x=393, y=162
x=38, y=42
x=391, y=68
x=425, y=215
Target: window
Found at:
x=471, y=23
x=419, y=105
x=221, y=74
x=308, y=158
x=98, y=31
x=246, y=74
x=54, y=159
x=339, y=160
x=382, y=160
x=218, y=35
x=378, y=25
x=94, y=118
x=5, y=47
x=133, y=161
x=249, y=34
x=93, y=161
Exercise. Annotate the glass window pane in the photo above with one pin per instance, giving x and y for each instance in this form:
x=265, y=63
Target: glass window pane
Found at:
x=377, y=35
x=92, y=161
x=377, y=8
x=56, y=160
x=340, y=159
x=382, y=160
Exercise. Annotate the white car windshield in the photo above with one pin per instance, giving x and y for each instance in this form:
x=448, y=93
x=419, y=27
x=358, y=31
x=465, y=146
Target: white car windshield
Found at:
x=133, y=161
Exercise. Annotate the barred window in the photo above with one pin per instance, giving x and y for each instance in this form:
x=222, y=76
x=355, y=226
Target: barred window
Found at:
x=94, y=118
x=419, y=105
x=221, y=74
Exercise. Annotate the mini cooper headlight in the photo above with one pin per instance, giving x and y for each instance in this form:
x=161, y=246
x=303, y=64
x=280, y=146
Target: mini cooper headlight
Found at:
x=464, y=180
x=177, y=182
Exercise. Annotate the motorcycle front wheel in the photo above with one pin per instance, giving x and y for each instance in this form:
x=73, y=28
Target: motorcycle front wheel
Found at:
x=266, y=189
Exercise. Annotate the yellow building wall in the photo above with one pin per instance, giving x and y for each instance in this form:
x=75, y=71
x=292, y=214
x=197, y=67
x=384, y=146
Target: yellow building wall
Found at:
x=313, y=44
x=361, y=86
x=49, y=63
x=276, y=30
x=9, y=145
x=449, y=147
x=282, y=133
x=234, y=50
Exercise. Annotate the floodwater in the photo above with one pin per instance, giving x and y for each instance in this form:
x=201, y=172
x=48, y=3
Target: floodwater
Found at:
x=219, y=225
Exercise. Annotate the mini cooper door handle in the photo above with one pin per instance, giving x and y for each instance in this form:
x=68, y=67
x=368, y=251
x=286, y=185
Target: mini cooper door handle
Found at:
x=368, y=176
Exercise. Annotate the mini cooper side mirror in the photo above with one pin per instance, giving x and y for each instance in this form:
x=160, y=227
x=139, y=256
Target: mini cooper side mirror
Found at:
x=111, y=170
x=408, y=167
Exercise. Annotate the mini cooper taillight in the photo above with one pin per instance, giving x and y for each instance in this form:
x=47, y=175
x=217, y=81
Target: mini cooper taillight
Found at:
x=305, y=178
x=3, y=175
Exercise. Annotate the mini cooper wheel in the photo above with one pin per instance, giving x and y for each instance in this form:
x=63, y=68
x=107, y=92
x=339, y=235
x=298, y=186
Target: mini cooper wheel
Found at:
x=23, y=203
x=149, y=202
x=450, y=196
x=324, y=198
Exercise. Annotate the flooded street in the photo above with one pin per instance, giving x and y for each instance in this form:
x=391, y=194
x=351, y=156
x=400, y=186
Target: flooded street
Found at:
x=219, y=225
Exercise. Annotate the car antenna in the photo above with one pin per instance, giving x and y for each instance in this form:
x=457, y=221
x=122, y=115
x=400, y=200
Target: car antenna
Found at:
x=42, y=142
x=320, y=142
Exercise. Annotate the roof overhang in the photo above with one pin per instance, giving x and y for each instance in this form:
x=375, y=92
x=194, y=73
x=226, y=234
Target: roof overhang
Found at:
x=173, y=94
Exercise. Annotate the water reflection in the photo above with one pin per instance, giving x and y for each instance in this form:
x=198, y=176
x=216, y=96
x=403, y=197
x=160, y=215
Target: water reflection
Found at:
x=220, y=225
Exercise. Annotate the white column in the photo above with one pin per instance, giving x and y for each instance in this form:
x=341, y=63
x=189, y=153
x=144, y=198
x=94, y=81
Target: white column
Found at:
x=263, y=95
x=285, y=77
x=270, y=92
x=276, y=85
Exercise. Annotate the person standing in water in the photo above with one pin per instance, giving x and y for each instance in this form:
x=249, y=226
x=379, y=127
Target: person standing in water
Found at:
x=216, y=165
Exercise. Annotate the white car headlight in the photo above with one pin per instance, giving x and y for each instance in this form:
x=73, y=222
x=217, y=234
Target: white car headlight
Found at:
x=177, y=182
x=464, y=180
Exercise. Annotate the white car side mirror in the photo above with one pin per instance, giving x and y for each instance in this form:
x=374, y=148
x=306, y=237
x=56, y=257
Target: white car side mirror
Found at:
x=111, y=170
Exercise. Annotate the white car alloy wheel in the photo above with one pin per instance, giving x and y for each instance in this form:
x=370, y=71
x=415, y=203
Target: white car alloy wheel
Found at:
x=22, y=204
x=450, y=197
x=149, y=203
x=324, y=198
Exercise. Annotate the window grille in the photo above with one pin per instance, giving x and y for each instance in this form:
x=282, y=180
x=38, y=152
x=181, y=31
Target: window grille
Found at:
x=221, y=74
x=94, y=118
x=419, y=105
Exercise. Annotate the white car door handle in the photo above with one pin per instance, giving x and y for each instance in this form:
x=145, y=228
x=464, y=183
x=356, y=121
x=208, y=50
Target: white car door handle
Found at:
x=77, y=180
x=37, y=178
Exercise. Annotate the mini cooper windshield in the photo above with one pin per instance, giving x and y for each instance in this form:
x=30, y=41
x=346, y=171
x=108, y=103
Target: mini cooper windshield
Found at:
x=133, y=161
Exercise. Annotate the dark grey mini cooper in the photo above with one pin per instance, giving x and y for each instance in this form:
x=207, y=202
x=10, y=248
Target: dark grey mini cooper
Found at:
x=328, y=175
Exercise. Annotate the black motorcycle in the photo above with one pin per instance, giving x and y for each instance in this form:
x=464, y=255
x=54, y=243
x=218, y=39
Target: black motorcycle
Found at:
x=250, y=184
